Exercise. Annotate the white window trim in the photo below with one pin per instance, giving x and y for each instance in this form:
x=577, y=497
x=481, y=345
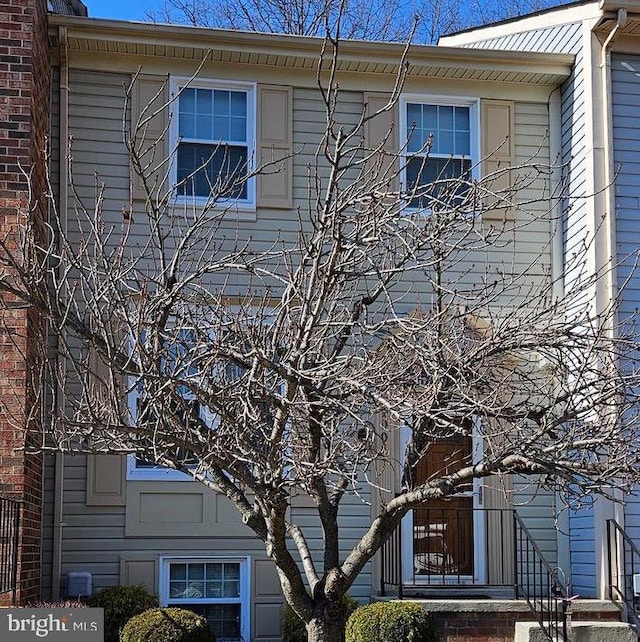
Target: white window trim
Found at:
x=456, y=101
x=242, y=208
x=158, y=472
x=245, y=586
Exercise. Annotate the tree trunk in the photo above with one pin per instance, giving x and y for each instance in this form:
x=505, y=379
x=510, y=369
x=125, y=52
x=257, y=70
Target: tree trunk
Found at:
x=324, y=628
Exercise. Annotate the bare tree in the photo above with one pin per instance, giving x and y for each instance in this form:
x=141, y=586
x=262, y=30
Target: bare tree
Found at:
x=359, y=18
x=270, y=370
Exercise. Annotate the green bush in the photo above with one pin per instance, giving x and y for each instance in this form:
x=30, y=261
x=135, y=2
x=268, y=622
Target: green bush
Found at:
x=293, y=628
x=390, y=622
x=167, y=625
x=120, y=604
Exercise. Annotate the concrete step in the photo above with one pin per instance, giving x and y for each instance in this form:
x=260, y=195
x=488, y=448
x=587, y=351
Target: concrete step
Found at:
x=581, y=631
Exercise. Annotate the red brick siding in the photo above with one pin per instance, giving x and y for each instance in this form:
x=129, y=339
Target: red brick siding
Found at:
x=24, y=123
x=492, y=626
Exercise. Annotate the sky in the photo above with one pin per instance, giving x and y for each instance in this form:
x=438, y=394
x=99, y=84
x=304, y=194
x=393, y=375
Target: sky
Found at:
x=118, y=9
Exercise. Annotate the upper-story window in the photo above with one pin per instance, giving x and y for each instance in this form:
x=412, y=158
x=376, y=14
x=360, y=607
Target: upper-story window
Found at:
x=440, y=142
x=214, y=125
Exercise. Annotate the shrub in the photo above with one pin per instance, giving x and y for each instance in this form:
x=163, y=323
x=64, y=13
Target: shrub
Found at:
x=121, y=603
x=293, y=628
x=390, y=622
x=167, y=625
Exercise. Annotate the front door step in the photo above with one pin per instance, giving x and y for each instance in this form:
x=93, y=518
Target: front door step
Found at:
x=582, y=631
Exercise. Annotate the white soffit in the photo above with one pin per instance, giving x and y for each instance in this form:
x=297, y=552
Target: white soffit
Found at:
x=302, y=53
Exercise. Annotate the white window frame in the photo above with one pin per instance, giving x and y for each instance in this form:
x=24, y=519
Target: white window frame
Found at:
x=251, y=89
x=156, y=472
x=245, y=586
x=473, y=103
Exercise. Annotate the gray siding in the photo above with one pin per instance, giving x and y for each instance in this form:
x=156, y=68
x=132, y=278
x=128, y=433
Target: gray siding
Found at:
x=567, y=38
x=560, y=39
x=626, y=154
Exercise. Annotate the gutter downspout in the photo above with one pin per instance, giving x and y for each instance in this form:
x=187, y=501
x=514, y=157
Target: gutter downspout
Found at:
x=557, y=278
x=608, y=509
x=63, y=192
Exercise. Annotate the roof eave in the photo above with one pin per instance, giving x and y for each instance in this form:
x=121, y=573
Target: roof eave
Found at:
x=132, y=38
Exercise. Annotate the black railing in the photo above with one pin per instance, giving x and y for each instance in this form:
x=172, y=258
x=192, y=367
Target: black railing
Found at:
x=444, y=555
x=9, y=534
x=391, y=561
x=623, y=558
x=539, y=583
x=444, y=551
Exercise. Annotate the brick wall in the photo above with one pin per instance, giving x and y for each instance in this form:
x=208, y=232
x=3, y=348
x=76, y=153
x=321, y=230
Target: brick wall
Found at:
x=24, y=123
x=496, y=626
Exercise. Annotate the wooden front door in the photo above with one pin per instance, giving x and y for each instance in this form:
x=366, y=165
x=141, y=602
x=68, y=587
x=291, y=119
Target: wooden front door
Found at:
x=443, y=530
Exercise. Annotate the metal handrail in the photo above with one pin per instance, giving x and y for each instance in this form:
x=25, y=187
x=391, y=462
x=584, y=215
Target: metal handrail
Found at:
x=523, y=564
x=441, y=557
x=625, y=569
x=540, y=584
x=9, y=540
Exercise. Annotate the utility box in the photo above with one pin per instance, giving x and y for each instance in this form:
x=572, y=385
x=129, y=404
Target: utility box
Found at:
x=79, y=584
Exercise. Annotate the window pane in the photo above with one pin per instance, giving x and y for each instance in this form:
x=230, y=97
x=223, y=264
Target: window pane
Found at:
x=187, y=114
x=414, y=140
x=204, y=103
x=177, y=589
x=204, y=127
x=221, y=130
x=462, y=144
x=239, y=104
x=188, y=101
x=221, y=102
x=414, y=127
x=437, y=178
x=414, y=115
x=443, y=142
x=430, y=118
x=196, y=571
x=232, y=571
x=207, y=169
x=445, y=117
x=214, y=589
x=214, y=571
x=178, y=572
x=223, y=620
x=238, y=129
x=462, y=119
x=231, y=588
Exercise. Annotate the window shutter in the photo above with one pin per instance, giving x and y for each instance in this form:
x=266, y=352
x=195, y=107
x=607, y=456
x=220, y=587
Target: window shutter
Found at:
x=106, y=480
x=149, y=130
x=105, y=473
x=275, y=145
x=385, y=125
x=498, y=158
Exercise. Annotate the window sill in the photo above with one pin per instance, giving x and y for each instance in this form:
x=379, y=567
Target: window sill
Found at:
x=230, y=210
